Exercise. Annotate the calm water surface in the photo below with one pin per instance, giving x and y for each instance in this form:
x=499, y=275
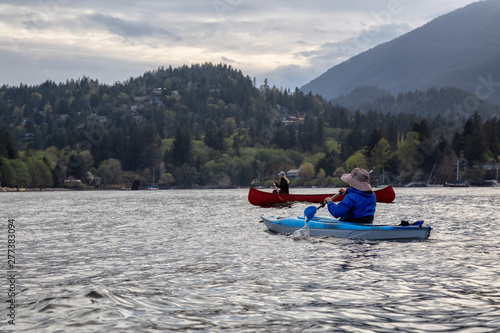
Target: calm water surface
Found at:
x=201, y=261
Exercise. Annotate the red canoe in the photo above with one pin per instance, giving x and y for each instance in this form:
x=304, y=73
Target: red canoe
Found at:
x=262, y=198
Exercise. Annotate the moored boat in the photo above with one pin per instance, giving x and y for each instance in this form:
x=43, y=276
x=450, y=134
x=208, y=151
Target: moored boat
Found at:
x=323, y=226
x=456, y=184
x=262, y=198
x=491, y=183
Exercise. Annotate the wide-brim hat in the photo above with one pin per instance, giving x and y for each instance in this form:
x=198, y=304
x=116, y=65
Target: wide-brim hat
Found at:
x=359, y=178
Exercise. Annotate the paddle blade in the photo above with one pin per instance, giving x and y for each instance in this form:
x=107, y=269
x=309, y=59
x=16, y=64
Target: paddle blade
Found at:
x=309, y=213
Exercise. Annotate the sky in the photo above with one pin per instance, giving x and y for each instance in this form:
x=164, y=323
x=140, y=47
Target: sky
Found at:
x=287, y=42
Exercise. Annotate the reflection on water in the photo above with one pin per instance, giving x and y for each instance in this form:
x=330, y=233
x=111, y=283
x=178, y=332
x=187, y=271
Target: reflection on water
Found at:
x=200, y=260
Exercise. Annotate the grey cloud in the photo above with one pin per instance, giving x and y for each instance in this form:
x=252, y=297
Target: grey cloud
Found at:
x=326, y=31
x=225, y=59
x=366, y=39
x=291, y=76
x=130, y=29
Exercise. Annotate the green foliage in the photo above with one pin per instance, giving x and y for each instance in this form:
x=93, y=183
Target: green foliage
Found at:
x=110, y=171
x=209, y=125
x=407, y=154
x=380, y=155
x=306, y=171
x=22, y=172
x=358, y=159
x=40, y=173
x=7, y=173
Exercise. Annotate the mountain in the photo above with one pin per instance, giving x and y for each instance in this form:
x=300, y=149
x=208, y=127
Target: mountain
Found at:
x=447, y=101
x=460, y=49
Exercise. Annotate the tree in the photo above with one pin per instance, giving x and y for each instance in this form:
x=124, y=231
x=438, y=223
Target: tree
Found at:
x=491, y=130
x=135, y=143
x=475, y=143
x=110, y=171
x=321, y=174
x=181, y=151
x=7, y=146
x=380, y=155
x=39, y=172
x=357, y=159
x=409, y=160
x=7, y=173
x=23, y=177
x=306, y=171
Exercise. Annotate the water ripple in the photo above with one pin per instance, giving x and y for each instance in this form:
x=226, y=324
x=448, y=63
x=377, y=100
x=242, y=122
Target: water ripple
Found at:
x=201, y=261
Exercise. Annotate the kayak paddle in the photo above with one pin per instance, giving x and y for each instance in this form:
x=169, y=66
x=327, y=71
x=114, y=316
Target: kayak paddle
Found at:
x=310, y=211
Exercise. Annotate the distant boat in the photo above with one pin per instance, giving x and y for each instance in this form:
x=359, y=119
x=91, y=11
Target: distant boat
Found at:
x=456, y=184
x=432, y=178
x=491, y=183
x=152, y=187
x=266, y=199
x=135, y=184
x=416, y=184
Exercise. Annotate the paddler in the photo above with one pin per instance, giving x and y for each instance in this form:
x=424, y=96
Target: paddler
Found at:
x=284, y=183
x=359, y=200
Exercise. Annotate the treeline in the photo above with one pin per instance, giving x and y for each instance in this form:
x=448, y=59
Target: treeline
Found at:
x=209, y=125
x=449, y=101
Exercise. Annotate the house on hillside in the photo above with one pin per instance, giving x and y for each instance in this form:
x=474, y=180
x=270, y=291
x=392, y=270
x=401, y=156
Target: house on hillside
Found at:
x=29, y=137
x=293, y=119
x=463, y=163
x=489, y=166
x=157, y=92
x=292, y=174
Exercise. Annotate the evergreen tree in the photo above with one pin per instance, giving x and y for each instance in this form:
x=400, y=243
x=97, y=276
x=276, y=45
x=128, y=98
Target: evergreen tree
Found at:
x=181, y=152
x=7, y=146
x=475, y=144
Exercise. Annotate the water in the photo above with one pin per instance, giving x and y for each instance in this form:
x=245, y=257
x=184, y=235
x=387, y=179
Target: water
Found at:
x=201, y=261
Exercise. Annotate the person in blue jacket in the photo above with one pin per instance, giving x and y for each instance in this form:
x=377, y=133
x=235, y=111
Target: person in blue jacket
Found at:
x=359, y=202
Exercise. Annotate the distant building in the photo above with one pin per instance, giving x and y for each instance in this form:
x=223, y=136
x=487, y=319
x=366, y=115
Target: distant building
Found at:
x=489, y=166
x=292, y=174
x=463, y=163
x=293, y=119
x=281, y=108
x=157, y=91
x=72, y=180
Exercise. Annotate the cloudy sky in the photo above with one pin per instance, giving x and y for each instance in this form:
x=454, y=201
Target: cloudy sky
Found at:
x=289, y=42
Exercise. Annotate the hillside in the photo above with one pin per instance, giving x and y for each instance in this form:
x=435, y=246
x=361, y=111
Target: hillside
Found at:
x=209, y=125
x=460, y=49
x=446, y=101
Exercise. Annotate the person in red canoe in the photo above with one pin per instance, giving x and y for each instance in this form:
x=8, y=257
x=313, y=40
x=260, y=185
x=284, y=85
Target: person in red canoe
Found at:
x=284, y=183
x=359, y=202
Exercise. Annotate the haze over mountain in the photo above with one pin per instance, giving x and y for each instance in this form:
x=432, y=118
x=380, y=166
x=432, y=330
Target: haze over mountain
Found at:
x=459, y=49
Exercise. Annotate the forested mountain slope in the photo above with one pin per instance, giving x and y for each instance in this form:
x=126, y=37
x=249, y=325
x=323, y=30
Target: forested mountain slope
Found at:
x=460, y=49
x=209, y=125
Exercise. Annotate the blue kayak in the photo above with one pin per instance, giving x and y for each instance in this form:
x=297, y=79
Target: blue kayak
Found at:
x=324, y=226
